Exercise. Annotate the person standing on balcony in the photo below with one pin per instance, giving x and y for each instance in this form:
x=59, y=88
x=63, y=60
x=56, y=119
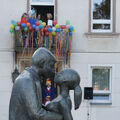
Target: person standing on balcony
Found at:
x=24, y=18
x=49, y=19
x=32, y=18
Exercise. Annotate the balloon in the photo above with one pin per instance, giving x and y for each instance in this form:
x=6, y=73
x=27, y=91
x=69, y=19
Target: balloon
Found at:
x=37, y=28
x=53, y=33
x=46, y=33
x=17, y=28
x=40, y=27
x=46, y=29
x=57, y=26
x=23, y=25
x=71, y=28
x=28, y=25
x=12, y=27
x=15, y=24
x=54, y=22
x=11, y=30
x=50, y=29
x=53, y=29
x=67, y=22
x=30, y=28
x=40, y=21
x=43, y=24
x=63, y=27
x=37, y=23
x=67, y=26
x=34, y=26
x=12, y=21
x=67, y=30
x=70, y=33
x=25, y=29
x=18, y=23
x=58, y=30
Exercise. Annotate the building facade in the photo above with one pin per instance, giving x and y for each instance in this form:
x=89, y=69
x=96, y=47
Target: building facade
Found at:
x=95, y=51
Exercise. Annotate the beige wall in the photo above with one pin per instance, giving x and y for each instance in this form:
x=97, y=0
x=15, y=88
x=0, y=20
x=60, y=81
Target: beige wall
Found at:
x=9, y=9
x=87, y=50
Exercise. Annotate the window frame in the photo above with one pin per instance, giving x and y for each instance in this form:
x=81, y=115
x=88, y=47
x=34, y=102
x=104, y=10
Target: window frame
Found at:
x=42, y=3
x=45, y=4
x=102, y=21
x=101, y=92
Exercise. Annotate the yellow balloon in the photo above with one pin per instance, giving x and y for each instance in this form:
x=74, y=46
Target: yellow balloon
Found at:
x=12, y=27
x=53, y=33
x=57, y=26
x=43, y=24
x=73, y=30
x=67, y=30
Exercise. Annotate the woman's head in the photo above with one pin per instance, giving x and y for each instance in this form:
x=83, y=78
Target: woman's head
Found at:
x=70, y=79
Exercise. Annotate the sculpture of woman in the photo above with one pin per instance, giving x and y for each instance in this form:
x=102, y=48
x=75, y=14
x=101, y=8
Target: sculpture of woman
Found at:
x=68, y=79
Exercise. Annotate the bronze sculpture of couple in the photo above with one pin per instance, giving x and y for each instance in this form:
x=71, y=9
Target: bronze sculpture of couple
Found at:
x=26, y=97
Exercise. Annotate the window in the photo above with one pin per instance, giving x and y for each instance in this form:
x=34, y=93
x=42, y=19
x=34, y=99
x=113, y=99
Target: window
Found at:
x=101, y=16
x=43, y=7
x=101, y=82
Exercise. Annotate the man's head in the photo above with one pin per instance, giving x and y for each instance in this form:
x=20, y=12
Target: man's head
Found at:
x=39, y=16
x=43, y=60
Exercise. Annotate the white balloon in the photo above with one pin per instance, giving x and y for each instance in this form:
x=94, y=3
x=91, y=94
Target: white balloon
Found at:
x=53, y=29
x=17, y=28
x=37, y=28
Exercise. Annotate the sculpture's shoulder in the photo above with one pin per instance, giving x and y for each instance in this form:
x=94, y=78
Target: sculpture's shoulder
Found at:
x=23, y=81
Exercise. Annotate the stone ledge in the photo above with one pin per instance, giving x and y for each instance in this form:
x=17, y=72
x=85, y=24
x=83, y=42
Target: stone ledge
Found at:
x=90, y=34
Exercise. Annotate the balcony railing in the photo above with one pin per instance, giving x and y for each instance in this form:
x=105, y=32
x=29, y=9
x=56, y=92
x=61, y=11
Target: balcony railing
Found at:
x=58, y=39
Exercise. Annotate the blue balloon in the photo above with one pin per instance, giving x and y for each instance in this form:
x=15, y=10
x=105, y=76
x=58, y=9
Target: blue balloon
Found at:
x=71, y=28
x=12, y=21
x=34, y=26
x=70, y=33
x=40, y=27
x=49, y=29
x=23, y=25
x=58, y=30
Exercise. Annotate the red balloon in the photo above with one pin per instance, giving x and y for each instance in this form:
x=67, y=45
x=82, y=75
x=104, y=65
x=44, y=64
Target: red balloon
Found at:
x=37, y=23
x=54, y=22
x=18, y=23
x=63, y=27
x=46, y=29
x=46, y=33
x=30, y=28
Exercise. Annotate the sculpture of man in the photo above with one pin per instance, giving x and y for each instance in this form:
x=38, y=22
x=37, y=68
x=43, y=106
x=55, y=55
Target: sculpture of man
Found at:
x=26, y=97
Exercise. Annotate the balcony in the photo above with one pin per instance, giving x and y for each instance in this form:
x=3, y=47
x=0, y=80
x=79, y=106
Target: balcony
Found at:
x=56, y=38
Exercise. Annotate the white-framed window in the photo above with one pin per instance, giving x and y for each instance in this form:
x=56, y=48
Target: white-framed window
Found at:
x=101, y=81
x=42, y=2
x=102, y=16
x=43, y=7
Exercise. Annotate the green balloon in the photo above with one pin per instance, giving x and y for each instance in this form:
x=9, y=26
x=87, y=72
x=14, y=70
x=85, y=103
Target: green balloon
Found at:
x=40, y=21
x=15, y=24
x=67, y=22
x=26, y=29
x=11, y=31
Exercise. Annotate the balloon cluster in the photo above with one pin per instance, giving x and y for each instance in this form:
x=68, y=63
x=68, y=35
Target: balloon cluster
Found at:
x=41, y=26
